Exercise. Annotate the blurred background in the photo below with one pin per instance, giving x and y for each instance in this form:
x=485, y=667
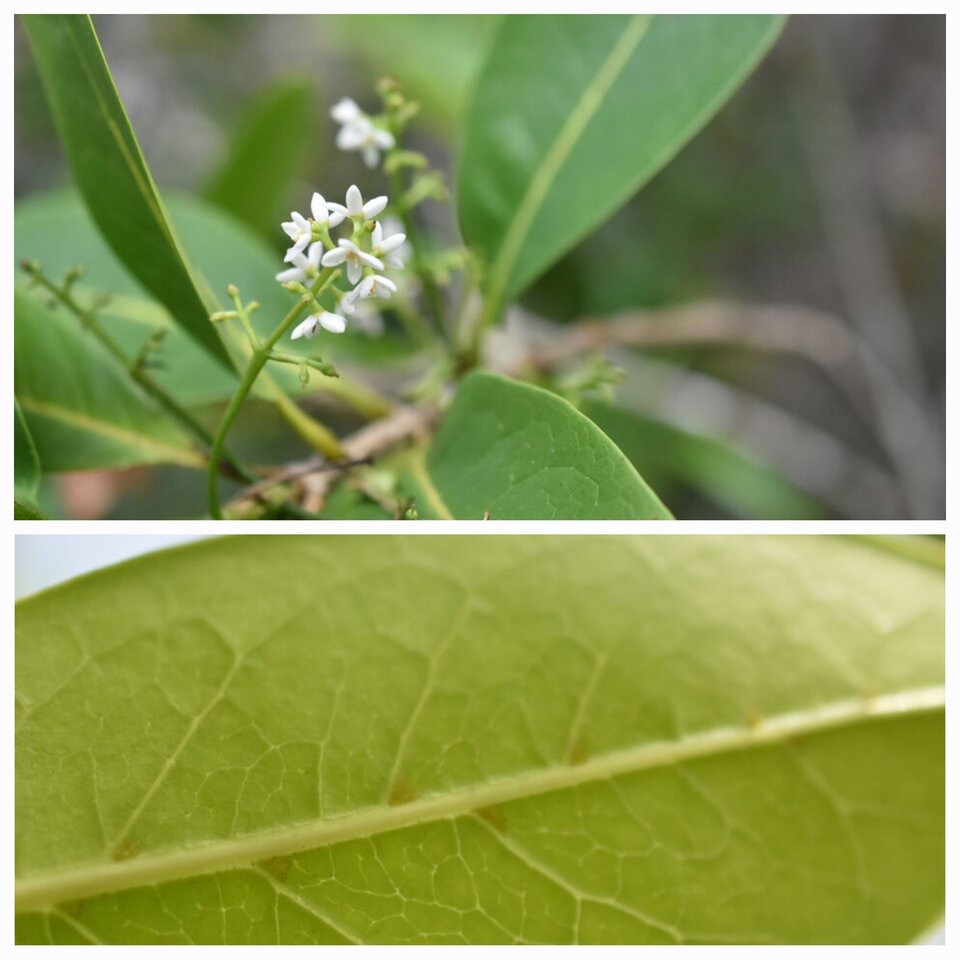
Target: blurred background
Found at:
x=43, y=561
x=775, y=295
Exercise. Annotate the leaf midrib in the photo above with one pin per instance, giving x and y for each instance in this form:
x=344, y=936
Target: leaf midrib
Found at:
x=88, y=881
x=185, y=456
x=549, y=169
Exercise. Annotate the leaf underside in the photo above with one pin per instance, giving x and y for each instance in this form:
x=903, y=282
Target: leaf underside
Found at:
x=484, y=740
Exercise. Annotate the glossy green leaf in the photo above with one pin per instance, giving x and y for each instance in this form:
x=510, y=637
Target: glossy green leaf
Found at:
x=571, y=115
x=26, y=468
x=517, y=452
x=733, y=480
x=265, y=155
x=83, y=410
x=484, y=739
x=111, y=173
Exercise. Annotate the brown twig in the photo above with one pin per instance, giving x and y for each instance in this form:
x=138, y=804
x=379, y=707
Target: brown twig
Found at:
x=316, y=476
x=783, y=328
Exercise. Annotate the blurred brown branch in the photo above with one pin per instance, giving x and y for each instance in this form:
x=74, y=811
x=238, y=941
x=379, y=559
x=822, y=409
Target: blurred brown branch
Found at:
x=312, y=479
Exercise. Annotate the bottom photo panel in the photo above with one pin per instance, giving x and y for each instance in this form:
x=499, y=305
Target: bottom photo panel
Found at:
x=484, y=739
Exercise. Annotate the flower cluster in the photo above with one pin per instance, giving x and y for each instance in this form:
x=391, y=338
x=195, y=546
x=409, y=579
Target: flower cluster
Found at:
x=365, y=255
x=359, y=132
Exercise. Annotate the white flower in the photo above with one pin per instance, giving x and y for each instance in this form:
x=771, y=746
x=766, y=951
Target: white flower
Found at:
x=376, y=286
x=384, y=247
x=324, y=213
x=310, y=327
x=355, y=258
x=298, y=229
x=345, y=111
x=358, y=132
x=303, y=266
x=356, y=208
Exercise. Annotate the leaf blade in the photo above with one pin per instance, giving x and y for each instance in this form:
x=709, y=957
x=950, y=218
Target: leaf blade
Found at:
x=83, y=411
x=111, y=173
x=572, y=115
x=726, y=799
x=265, y=154
x=515, y=451
x=26, y=468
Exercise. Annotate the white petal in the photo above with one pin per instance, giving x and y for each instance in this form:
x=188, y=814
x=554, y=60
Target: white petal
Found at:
x=335, y=218
x=308, y=328
x=332, y=322
x=391, y=243
x=300, y=221
x=354, y=270
x=377, y=235
x=365, y=288
x=394, y=262
x=318, y=207
x=371, y=156
x=374, y=207
x=348, y=245
x=354, y=201
x=351, y=138
x=332, y=257
x=314, y=255
x=297, y=248
x=293, y=275
x=345, y=110
x=385, y=283
x=369, y=259
x=290, y=229
x=383, y=138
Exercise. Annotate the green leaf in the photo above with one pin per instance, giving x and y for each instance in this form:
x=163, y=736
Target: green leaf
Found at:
x=26, y=468
x=572, y=115
x=265, y=156
x=111, y=173
x=484, y=739
x=82, y=408
x=517, y=452
x=734, y=480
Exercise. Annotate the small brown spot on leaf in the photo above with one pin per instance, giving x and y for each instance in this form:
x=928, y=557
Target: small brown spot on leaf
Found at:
x=495, y=816
x=277, y=867
x=753, y=719
x=401, y=791
x=579, y=754
x=126, y=849
x=73, y=908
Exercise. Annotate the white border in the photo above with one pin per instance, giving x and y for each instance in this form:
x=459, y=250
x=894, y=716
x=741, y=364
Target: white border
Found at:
x=682, y=528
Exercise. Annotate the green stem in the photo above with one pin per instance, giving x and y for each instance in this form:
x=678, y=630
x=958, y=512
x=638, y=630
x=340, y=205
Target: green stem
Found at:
x=327, y=443
x=141, y=377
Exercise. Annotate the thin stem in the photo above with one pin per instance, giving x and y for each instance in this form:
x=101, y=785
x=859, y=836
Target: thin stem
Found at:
x=327, y=443
x=88, y=319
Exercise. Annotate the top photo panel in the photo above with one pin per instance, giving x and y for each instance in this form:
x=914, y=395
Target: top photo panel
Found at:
x=482, y=268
